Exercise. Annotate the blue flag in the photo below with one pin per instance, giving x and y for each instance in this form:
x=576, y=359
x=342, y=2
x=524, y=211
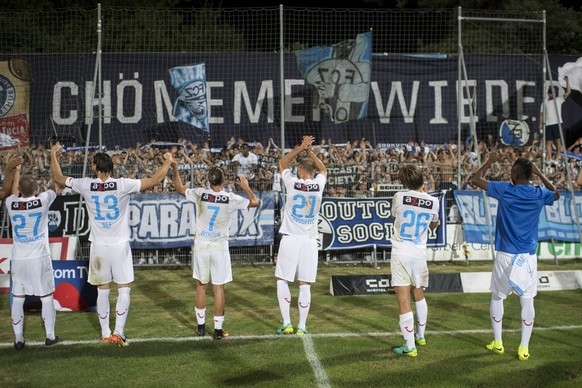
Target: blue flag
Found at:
x=190, y=106
x=340, y=75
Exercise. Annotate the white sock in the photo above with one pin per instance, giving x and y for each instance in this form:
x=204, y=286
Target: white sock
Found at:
x=304, y=302
x=496, y=312
x=421, y=317
x=200, y=315
x=284, y=297
x=407, y=328
x=18, y=318
x=49, y=316
x=528, y=314
x=103, y=311
x=218, y=321
x=122, y=309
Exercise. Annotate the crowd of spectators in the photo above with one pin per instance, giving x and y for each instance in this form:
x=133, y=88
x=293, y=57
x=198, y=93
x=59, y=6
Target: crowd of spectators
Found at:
x=356, y=168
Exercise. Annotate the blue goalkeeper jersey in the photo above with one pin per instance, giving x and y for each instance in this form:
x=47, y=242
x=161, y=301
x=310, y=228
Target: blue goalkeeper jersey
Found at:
x=518, y=214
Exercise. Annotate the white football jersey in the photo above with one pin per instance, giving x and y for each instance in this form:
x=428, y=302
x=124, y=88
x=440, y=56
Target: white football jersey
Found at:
x=108, y=206
x=213, y=214
x=302, y=204
x=413, y=211
x=246, y=164
x=29, y=219
x=553, y=116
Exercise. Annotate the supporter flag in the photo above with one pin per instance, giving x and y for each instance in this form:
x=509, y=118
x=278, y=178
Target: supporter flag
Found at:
x=340, y=75
x=190, y=106
x=572, y=70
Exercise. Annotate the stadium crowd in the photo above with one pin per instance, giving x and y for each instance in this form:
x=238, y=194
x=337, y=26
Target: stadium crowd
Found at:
x=356, y=168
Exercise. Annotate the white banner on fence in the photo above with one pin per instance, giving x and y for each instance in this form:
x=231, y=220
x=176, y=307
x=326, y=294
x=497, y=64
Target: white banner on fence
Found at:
x=547, y=281
x=456, y=249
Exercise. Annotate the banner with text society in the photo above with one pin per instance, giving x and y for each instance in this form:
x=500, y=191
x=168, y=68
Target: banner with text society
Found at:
x=347, y=223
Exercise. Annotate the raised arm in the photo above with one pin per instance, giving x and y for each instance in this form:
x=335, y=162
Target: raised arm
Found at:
x=568, y=91
x=244, y=184
x=148, y=183
x=16, y=180
x=286, y=160
x=178, y=184
x=58, y=176
x=319, y=166
x=185, y=155
x=13, y=162
x=478, y=179
x=363, y=147
x=549, y=185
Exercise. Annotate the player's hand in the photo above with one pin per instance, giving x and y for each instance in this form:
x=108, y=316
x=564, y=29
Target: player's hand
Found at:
x=242, y=181
x=14, y=161
x=168, y=157
x=535, y=170
x=493, y=156
x=57, y=150
x=307, y=142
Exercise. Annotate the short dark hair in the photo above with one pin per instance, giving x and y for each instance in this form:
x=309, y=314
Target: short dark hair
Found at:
x=553, y=90
x=103, y=163
x=411, y=176
x=523, y=168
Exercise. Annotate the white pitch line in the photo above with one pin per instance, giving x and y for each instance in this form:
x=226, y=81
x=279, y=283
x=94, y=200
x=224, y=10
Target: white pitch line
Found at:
x=275, y=336
x=318, y=369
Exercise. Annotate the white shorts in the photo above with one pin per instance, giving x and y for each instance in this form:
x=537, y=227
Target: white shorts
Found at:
x=500, y=275
x=408, y=271
x=297, y=259
x=213, y=265
x=110, y=263
x=32, y=276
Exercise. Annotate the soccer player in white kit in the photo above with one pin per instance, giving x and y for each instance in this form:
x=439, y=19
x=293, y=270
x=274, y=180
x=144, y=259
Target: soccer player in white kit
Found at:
x=110, y=258
x=31, y=266
x=214, y=208
x=414, y=212
x=297, y=256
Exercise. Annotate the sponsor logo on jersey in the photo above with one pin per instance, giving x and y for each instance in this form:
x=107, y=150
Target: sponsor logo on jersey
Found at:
x=214, y=198
x=27, y=205
x=306, y=186
x=418, y=202
x=104, y=186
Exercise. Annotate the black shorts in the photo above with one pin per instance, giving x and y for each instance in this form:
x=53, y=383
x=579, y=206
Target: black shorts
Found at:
x=552, y=132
